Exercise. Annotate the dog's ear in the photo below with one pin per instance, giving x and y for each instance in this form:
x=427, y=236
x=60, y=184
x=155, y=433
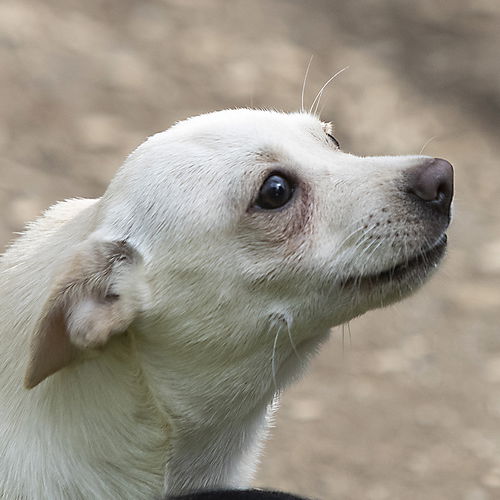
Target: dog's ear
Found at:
x=98, y=294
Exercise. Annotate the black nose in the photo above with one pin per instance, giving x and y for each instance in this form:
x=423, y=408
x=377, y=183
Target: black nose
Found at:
x=432, y=182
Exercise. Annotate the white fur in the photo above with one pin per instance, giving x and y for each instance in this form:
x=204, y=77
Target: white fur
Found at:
x=222, y=308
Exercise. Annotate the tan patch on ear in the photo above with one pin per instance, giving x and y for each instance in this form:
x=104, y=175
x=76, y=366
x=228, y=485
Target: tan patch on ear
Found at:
x=51, y=349
x=94, y=299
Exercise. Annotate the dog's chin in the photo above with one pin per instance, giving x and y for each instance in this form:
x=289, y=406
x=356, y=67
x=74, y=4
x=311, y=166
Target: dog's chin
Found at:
x=400, y=280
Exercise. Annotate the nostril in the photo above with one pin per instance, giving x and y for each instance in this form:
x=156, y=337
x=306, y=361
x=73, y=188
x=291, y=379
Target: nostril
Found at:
x=443, y=191
x=432, y=181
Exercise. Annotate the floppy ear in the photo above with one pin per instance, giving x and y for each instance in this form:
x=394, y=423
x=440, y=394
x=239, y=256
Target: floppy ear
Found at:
x=97, y=295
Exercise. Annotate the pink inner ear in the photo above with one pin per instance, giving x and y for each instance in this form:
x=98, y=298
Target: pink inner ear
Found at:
x=51, y=349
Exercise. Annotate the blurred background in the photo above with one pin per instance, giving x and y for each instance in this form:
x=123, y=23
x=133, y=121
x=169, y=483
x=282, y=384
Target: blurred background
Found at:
x=408, y=407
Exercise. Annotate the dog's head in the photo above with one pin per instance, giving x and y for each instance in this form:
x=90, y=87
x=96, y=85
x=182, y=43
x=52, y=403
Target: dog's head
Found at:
x=244, y=216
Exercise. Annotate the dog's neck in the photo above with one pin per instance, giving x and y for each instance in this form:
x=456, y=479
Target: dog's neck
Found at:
x=216, y=403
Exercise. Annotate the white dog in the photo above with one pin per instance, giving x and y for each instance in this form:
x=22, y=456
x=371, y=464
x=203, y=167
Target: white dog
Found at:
x=155, y=326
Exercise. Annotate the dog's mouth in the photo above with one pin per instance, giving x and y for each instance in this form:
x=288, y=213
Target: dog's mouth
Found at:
x=413, y=269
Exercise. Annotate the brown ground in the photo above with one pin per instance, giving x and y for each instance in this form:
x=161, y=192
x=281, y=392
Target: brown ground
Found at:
x=410, y=410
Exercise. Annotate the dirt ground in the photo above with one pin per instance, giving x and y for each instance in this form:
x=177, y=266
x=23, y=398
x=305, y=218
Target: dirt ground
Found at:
x=409, y=406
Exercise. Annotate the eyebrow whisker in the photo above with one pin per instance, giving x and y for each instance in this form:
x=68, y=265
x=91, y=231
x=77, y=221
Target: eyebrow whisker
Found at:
x=304, y=84
x=317, y=99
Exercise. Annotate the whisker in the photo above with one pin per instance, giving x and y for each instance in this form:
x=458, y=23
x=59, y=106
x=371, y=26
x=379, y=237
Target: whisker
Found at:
x=359, y=241
x=273, y=361
x=370, y=256
x=304, y=84
x=372, y=247
x=362, y=240
x=343, y=339
x=427, y=143
x=292, y=343
x=320, y=93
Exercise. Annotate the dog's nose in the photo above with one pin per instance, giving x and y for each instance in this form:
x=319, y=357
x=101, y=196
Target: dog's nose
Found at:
x=432, y=182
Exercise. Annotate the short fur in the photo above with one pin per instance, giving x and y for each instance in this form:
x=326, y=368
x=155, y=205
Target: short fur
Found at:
x=156, y=326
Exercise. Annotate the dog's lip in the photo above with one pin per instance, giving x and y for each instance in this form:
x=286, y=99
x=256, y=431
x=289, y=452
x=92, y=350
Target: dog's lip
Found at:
x=423, y=261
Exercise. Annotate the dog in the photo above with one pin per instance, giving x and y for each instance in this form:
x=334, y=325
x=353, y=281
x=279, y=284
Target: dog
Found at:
x=155, y=327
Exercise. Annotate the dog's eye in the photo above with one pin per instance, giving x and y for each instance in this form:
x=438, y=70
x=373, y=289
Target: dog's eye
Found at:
x=337, y=144
x=275, y=192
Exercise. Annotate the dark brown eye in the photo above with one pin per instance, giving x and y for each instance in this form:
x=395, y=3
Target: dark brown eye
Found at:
x=337, y=145
x=275, y=192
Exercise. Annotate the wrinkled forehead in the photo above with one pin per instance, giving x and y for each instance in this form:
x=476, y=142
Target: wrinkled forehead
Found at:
x=255, y=128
